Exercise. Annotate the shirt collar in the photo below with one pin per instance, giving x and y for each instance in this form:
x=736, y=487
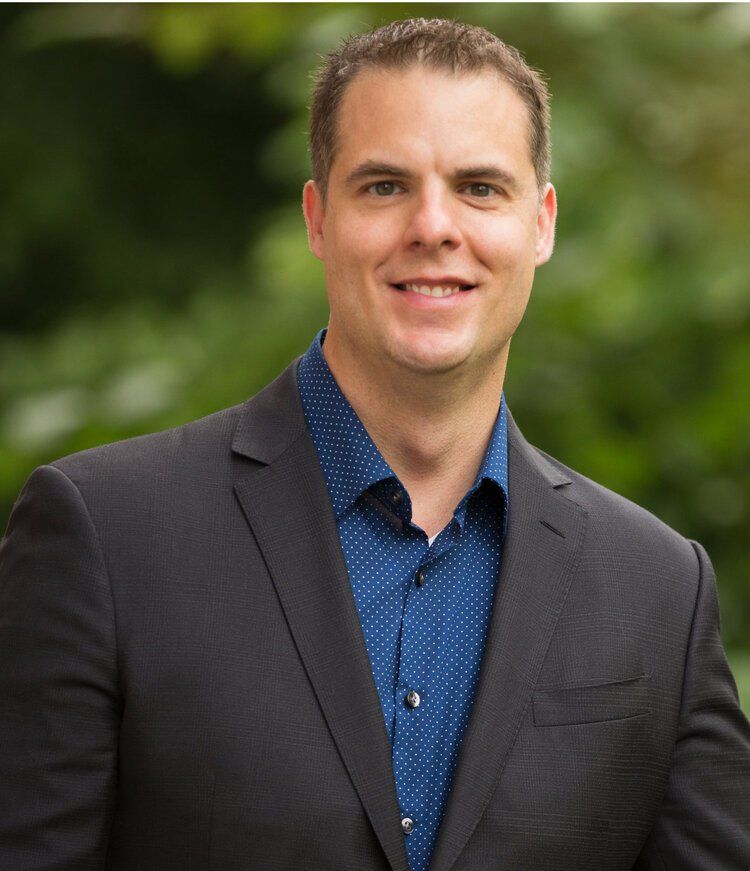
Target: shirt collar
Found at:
x=349, y=458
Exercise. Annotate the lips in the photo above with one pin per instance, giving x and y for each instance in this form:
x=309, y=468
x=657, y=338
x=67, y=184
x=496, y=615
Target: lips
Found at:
x=436, y=288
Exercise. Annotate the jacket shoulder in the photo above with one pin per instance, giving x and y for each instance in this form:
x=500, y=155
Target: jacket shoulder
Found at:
x=201, y=444
x=619, y=522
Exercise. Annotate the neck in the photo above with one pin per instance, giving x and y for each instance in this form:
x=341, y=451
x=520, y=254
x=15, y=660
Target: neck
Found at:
x=432, y=428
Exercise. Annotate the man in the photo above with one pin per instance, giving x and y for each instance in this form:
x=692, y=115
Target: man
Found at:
x=359, y=622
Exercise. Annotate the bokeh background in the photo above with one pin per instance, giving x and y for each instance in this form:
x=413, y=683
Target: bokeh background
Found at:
x=154, y=265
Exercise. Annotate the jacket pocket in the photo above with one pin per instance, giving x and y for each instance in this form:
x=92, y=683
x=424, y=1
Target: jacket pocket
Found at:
x=618, y=700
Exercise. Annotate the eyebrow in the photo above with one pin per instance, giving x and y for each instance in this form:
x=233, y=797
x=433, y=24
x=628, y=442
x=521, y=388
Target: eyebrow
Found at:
x=371, y=168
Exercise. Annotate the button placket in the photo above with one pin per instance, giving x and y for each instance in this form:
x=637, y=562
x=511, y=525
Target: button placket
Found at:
x=412, y=704
x=411, y=667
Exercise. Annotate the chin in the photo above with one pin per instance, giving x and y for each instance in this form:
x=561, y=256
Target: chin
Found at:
x=423, y=358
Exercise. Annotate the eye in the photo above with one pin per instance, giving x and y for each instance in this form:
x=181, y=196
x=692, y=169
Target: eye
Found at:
x=481, y=190
x=382, y=188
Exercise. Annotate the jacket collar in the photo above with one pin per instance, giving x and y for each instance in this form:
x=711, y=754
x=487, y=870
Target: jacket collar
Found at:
x=274, y=418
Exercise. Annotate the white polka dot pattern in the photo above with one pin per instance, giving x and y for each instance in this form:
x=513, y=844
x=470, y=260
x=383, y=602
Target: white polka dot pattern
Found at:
x=424, y=605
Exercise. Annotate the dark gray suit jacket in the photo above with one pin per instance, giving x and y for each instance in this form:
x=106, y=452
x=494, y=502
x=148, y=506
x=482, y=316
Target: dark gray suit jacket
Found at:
x=184, y=682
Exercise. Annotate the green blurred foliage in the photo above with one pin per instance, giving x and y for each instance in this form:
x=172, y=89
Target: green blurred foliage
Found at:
x=154, y=265
x=740, y=662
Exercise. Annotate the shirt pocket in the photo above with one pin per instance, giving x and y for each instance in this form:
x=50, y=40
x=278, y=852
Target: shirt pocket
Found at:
x=593, y=703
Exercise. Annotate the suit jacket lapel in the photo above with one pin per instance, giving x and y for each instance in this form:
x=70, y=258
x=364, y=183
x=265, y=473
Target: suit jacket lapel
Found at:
x=543, y=540
x=287, y=505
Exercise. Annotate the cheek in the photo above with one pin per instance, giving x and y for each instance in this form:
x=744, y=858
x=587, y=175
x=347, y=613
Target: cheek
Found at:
x=362, y=244
x=506, y=248
x=355, y=252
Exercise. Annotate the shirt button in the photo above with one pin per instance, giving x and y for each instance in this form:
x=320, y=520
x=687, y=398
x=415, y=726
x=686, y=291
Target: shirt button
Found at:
x=407, y=824
x=412, y=699
x=419, y=577
x=397, y=498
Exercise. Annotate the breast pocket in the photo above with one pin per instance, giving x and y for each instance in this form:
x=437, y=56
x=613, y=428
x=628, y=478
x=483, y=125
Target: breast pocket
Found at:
x=594, y=703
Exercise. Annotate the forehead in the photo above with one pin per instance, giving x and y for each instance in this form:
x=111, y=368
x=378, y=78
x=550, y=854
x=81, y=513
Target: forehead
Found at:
x=424, y=114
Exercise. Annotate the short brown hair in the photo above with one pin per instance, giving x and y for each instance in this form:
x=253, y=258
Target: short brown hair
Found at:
x=438, y=44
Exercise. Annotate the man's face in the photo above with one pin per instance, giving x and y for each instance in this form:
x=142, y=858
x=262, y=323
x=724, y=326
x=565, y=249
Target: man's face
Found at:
x=432, y=184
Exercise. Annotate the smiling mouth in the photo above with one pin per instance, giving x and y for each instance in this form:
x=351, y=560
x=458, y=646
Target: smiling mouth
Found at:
x=438, y=291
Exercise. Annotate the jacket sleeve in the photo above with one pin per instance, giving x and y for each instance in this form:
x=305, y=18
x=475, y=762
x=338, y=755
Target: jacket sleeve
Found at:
x=59, y=701
x=704, y=821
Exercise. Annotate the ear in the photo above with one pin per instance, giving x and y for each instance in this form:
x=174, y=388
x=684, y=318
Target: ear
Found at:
x=312, y=207
x=545, y=226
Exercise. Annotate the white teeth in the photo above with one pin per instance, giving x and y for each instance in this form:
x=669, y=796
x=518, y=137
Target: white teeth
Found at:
x=437, y=291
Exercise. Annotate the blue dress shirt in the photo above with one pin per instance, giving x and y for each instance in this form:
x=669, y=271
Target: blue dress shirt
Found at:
x=424, y=607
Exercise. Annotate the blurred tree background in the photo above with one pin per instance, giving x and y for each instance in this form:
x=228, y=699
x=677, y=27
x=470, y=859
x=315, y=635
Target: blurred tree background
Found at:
x=154, y=265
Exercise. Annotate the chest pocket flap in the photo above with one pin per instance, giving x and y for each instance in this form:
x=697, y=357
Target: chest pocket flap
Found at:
x=618, y=700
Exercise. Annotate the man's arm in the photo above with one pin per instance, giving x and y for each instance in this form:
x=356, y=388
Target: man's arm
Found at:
x=59, y=702
x=704, y=822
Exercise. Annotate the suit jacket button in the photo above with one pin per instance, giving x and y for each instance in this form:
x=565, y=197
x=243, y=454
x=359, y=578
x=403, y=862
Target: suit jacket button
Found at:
x=407, y=825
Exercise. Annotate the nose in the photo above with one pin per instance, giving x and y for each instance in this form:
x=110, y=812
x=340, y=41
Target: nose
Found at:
x=432, y=221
